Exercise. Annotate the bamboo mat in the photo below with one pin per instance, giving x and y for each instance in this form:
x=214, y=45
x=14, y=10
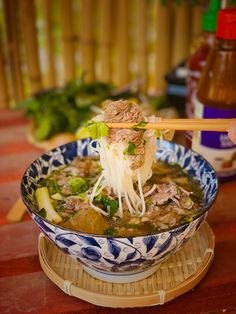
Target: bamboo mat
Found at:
x=177, y=275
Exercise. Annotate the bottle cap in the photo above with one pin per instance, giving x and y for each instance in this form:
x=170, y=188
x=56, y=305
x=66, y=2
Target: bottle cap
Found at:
x=226, y=24
x=209, y=18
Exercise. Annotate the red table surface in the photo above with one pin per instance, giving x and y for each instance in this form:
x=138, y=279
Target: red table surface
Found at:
x=24, y=288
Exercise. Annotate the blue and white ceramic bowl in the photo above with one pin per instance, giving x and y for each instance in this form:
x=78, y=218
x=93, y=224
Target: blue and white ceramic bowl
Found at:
x=119, y=259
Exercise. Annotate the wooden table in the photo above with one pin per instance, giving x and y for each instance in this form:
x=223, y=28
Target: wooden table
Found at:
x=24, y=288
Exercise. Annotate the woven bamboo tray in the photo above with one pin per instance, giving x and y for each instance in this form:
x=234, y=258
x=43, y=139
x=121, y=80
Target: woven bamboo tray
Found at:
x=177, y=275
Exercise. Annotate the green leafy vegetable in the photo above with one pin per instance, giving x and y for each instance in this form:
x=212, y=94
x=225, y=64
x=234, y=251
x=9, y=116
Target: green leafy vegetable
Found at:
x=140, y=125
x=43, y=213
x=53, y=187
x=64, y=109
x=109, y=205
x=51, y=184
x=131, y=149
x=82, y=196
x=78, y=185
x=97, y=129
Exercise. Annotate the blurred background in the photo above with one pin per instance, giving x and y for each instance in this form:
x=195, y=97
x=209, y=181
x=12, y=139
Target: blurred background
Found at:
x=93, y=50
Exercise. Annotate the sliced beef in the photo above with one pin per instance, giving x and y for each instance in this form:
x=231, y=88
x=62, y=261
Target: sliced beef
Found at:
x=126, y=111
x=122, y=110
x=166, y=192
x=75, y=204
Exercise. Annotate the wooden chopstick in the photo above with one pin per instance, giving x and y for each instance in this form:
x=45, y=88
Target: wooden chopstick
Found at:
x=17, y=211
x=179, y=124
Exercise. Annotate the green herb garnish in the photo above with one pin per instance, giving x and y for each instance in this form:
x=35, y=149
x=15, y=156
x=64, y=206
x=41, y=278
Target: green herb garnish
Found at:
x=78, y=185
x=53, y=187
x=42, y=213
x=109, y=205
x=140, y=125
x=51, y=184
x=82, y=196
x=97, y=129
x=131, y=149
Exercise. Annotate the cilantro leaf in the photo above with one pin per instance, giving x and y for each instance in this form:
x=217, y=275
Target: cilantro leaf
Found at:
x=97, y=129
x=131, y=149
x=110, y=205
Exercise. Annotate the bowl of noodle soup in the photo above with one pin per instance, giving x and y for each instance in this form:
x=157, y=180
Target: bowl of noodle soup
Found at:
x=120, y=257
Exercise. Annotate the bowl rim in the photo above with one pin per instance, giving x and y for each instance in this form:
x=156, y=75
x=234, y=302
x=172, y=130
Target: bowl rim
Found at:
x=202, y=211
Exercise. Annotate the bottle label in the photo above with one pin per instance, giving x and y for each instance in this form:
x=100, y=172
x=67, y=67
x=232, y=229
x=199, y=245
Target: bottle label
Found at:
x=216, y=147
x=192, y=79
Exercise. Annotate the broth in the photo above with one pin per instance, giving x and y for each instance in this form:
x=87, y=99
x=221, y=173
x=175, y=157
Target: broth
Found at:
x=171, y=197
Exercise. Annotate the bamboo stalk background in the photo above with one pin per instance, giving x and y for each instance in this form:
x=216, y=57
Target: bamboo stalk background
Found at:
x=181, y=37
x=68, y=39
x=12, y=42
x=47, y=12
x=196, y=28
x=87, y=39
x=122, y=43
x=196, y=24
x=145, y=42
x=28, y=17
x=142, y=47
x=3, y=79
x=163, y=44
x=104, y=47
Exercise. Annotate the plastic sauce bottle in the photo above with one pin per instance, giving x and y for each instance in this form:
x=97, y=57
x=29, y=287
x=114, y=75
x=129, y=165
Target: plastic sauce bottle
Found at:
x=216, y=97
x=198, y=59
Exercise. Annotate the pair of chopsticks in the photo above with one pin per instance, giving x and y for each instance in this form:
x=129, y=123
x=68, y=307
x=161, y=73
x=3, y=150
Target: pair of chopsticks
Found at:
x=220, y=125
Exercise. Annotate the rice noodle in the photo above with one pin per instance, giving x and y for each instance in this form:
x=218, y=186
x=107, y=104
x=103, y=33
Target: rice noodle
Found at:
x=151, y=190
x=141, y=195
x=118, y=172
x=94, y=193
